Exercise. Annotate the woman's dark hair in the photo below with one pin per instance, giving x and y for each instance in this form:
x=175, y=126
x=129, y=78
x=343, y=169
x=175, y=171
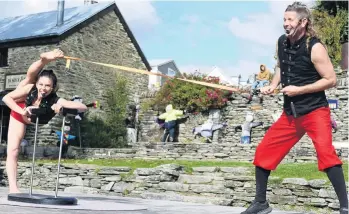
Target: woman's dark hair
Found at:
x=51, y=75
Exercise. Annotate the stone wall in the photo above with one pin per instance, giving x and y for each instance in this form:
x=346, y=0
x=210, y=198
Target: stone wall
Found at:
x=228, y=186
x=227, y=146
x=178, y=151
x=235, y=112
x=103, y=40
x=197, y=151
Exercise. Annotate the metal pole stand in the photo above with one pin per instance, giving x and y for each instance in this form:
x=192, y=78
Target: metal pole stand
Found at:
x=40, y=198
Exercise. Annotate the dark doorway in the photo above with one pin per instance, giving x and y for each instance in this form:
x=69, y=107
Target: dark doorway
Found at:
x=4, y=119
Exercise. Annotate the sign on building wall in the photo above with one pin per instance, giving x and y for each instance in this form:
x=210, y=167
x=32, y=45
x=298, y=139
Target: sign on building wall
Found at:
x=12, y=80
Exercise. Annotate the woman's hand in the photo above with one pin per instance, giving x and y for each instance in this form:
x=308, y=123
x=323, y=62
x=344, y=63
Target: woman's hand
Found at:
x=56, y=108
x=27, y=110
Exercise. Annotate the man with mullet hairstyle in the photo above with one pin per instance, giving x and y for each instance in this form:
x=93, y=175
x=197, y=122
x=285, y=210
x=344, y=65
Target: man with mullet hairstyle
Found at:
x=305, y=71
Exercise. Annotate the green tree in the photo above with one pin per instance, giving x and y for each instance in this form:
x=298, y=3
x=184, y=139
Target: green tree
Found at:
x=333, y=8
x=108, y=130
x=329, y=29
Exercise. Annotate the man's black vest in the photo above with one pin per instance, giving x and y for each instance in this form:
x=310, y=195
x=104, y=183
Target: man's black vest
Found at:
x=296, y=68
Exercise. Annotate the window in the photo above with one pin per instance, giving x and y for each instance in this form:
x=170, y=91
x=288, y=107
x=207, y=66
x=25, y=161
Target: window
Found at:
x=3, y=57
x=171, y=72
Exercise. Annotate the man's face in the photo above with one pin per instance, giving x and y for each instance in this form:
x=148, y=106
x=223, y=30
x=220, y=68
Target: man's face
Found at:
x=291, y=23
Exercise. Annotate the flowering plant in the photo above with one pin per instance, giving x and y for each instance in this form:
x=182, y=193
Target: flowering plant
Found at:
x=189, y=96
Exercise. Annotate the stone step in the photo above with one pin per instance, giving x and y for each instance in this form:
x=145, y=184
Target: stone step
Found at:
x=214, y=178
x=171, y=196
x=227, y=170
x=195, y=179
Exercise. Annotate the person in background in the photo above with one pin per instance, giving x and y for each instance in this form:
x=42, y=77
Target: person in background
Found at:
x=170, y=116
x=262, y=79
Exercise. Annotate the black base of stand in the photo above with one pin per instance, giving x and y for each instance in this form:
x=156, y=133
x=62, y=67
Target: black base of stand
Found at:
x=42, y=199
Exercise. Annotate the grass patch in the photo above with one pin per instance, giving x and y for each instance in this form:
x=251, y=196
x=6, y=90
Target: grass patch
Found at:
x=303, y=208
x=126, y=176
x=304, y=170
x=275, y=181
x=288, y=170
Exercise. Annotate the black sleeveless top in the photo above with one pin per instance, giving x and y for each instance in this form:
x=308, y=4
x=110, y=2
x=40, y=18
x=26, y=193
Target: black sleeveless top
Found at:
x=45, y=103
x=296, y=68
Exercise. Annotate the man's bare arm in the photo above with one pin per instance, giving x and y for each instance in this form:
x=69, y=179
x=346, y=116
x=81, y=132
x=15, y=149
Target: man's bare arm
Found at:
x=276, y=78
x=324, y=67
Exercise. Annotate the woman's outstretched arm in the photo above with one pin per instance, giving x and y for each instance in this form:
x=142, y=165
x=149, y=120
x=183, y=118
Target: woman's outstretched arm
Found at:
x=68, y=104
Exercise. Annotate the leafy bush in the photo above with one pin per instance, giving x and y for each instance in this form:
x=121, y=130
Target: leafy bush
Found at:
x=330, y=30
x=335, y=9
x=189, y=96
x=107, y=129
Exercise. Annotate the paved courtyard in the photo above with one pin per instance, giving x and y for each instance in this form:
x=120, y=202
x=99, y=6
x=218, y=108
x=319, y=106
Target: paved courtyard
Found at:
x=149, y=206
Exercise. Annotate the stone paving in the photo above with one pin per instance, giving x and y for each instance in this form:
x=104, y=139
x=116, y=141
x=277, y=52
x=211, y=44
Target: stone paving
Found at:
x=152, y=206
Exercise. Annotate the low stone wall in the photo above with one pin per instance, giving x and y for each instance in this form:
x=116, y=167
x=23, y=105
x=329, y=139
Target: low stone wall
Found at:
x=198, y=151
x=176, y=151
x=229, y=186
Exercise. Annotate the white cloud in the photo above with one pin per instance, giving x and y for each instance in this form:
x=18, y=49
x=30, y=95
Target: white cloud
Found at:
x=137, y=13
x=262, y=28
x=257, y=28
x=261, y=31
x=140, y=13
x=245, y=68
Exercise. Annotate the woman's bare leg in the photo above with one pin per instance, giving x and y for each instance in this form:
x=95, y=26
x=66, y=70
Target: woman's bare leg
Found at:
x=32, y=72
x=37, y=66
x=16, y=131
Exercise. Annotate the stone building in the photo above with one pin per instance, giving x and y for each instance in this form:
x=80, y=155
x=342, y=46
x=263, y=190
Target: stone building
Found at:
x=96, y=32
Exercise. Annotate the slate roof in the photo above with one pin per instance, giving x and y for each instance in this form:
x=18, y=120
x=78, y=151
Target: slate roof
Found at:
x=34, y=27
x=44, y=24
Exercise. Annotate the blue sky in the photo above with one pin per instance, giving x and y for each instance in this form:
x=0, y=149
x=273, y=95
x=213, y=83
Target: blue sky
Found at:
x=236, y=36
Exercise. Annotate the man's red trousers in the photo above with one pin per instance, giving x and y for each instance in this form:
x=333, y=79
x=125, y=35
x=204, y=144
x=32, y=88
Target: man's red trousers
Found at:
x=287, y=131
